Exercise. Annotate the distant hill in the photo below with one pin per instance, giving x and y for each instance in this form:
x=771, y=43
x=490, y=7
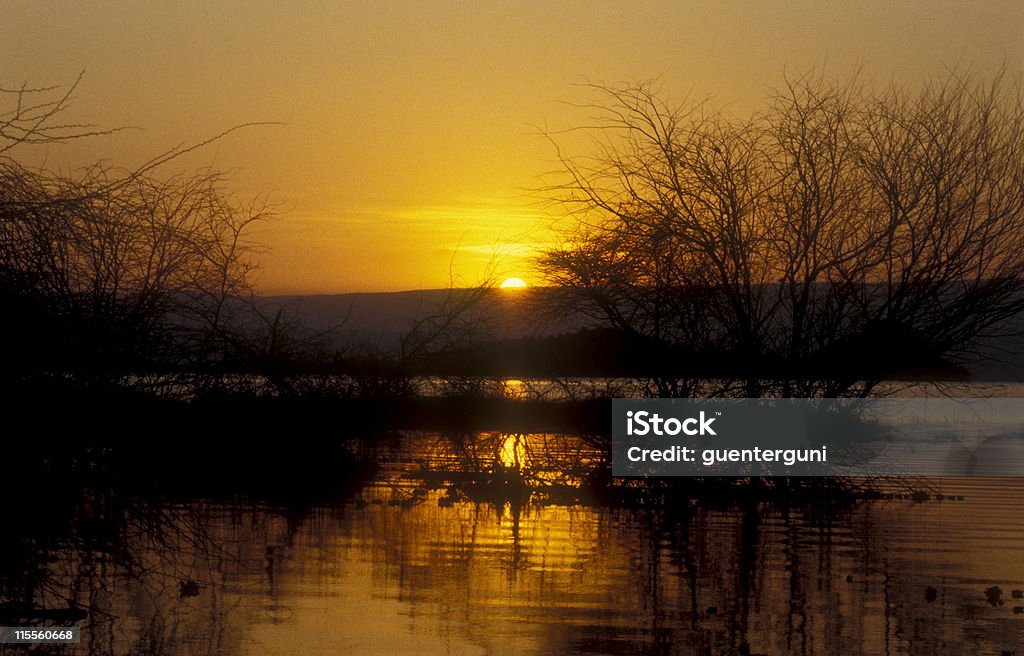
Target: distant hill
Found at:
x=381, y=318
x=519, y=323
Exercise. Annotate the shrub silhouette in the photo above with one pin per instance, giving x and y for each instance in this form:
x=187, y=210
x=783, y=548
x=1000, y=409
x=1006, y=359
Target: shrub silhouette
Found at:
x=839, y=237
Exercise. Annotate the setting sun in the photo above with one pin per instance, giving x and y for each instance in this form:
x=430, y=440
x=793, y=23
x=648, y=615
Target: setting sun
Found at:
x=513, y=283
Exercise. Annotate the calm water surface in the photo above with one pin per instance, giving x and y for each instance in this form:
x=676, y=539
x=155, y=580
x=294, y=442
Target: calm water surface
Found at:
x=449, y=551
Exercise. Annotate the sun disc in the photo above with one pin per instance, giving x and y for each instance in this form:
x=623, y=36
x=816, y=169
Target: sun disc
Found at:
x=513, y=283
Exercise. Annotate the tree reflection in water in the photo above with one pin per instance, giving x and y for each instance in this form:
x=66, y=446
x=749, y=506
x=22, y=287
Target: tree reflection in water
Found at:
x=496, y=543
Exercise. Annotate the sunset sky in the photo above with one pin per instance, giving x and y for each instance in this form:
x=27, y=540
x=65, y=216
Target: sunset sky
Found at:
x=410, y=129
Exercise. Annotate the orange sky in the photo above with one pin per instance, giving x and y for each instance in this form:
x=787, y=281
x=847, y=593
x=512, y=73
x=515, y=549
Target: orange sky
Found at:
x=409, y=145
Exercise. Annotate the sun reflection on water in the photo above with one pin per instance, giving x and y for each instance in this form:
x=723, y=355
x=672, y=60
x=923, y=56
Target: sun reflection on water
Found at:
x=514, y=388
x=513, y=451
x=460, y=558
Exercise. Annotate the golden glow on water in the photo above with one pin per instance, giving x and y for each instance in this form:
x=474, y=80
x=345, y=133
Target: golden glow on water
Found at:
x=513, y=451
x=456, y=559
x=514, y=388
x=513, y=578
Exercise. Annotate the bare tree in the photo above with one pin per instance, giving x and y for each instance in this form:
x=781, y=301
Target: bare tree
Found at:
x=832, y=240
x=114, y=268
x=34, y=115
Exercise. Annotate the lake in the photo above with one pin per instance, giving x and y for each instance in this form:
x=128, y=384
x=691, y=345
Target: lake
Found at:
x=494, y=543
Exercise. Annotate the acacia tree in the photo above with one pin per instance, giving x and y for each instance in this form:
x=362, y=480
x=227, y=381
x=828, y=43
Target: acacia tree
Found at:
x=114, y=269
x=838, y=237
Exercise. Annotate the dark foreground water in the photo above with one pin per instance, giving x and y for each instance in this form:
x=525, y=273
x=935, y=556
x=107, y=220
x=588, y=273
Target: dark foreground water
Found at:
x=486, y=544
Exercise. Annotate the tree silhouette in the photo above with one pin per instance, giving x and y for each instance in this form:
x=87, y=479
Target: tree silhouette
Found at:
x=113, y=270
x=839, y=237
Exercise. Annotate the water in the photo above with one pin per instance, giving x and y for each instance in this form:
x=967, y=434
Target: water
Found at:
x=492, y=544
